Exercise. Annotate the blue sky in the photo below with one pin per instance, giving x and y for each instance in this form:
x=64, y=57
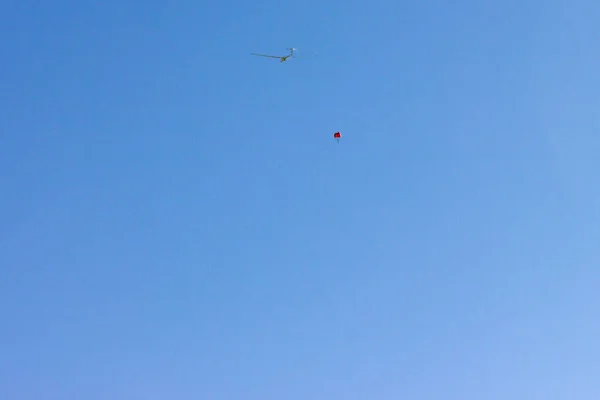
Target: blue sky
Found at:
x=177, y=221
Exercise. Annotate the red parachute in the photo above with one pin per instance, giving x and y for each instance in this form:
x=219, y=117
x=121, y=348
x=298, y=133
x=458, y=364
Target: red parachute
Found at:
x=337, y=136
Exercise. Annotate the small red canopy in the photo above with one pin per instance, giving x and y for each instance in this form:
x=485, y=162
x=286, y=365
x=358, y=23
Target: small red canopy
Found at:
x=337, y=135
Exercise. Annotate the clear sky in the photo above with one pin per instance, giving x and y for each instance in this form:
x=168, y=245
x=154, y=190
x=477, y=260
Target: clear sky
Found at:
x=177, y=221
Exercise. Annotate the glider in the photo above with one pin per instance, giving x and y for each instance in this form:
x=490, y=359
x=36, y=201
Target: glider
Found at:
x=337, y=136
x=281, y=58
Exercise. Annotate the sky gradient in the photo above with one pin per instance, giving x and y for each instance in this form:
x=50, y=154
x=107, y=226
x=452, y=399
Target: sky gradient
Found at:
x=178, y=222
